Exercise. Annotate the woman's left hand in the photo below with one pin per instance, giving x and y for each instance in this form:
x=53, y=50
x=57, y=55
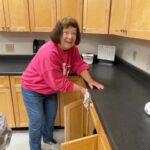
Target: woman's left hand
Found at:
x=93, y=84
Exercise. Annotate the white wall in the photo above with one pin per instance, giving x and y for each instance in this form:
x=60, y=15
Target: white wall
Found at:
x=134, y=51
x=23, y=42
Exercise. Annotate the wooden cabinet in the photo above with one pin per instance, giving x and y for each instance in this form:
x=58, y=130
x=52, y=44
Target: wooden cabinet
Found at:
x=6, y=104
x=130, y=18
x=42, y=15
x=12, y=104
x=74, y=115
x=96, y=16
x=19, y=107
x=138, y=23
x=14, y=15
x=72, y=8
x=119, y=11
x=68, y=97
x=2, y=17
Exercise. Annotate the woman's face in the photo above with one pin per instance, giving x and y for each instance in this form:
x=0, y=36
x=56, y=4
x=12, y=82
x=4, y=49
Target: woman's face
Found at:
x=68, y=38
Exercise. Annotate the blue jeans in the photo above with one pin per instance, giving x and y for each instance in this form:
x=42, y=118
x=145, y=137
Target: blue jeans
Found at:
x=41, y=111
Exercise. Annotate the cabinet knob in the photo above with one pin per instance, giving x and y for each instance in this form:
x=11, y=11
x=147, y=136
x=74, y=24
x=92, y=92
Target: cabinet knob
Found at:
x=84, y=29
x=3, y=28
x=121, y=30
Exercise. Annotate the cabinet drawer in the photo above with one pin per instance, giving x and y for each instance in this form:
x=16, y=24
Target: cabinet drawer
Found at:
x=4, y=81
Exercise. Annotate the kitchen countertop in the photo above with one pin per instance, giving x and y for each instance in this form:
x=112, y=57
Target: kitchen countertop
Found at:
x=13, y=64
x=120, y=105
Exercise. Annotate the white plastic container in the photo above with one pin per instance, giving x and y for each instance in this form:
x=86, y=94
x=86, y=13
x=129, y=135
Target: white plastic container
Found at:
x=88, y=57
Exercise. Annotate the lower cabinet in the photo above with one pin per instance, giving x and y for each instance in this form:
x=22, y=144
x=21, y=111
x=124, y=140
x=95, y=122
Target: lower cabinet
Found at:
x=69, y=97
x=12, y=105
x=20, y=113
x=6, y=104
x=77, y=120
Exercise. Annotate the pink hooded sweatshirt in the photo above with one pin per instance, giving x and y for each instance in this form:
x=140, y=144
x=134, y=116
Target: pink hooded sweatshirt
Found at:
x=48, y=70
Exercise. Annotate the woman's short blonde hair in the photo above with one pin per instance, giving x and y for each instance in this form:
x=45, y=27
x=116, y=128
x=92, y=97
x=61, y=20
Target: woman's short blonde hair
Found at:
x=63, y=24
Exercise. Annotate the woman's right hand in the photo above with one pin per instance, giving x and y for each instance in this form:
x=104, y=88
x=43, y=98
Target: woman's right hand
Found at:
x=83, y=91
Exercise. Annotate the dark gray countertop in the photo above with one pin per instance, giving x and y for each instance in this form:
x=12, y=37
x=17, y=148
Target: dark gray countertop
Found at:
x=13, y=65
x=120, y=105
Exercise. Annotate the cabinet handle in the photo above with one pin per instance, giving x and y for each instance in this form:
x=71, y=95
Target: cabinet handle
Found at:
x=3, y=28
x=121, y=30
x=125, y=31
x=84, y=29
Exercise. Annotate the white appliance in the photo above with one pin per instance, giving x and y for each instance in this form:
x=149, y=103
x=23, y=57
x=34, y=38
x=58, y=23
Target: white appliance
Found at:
x=106, y=52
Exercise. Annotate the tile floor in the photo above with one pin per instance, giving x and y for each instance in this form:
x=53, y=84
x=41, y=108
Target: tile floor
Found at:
x=20, y=139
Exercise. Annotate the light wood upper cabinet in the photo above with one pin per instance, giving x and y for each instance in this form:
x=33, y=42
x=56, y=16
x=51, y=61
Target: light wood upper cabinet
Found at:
x=138, y=23
x=42, y=15
x=96, y=16
x=130, y=18
x=71, y=8
x=15, y=14
x=119, y=12
x=2, y=17
x=6, y=104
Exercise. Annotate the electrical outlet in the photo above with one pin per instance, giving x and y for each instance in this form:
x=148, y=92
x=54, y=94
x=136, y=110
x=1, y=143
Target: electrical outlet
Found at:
x=148, y=66
x=134, y=55
x=148, y=63
x=9, y=47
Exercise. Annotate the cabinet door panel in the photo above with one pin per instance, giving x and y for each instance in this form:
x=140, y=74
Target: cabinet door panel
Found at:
x=71, y=8
x=19, y=107
x=2, y=18
x=138, y=24
x=86, y=143
x=96, y=16
x=42, y=15
x=73, y=120
x=6, y=106
x=16, y=15
x=119, y=10
x=69, y=97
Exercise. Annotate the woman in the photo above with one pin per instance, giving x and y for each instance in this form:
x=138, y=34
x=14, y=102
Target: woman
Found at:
x=46, y=74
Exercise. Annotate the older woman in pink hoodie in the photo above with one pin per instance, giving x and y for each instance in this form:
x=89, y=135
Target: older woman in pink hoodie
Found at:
x=46, y=74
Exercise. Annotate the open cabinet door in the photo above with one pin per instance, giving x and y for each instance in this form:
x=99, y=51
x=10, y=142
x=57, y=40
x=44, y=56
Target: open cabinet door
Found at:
x=73, y=120
x=86, y=143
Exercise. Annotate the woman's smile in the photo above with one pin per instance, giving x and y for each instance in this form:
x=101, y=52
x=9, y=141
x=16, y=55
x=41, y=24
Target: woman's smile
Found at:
x=68, y=38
